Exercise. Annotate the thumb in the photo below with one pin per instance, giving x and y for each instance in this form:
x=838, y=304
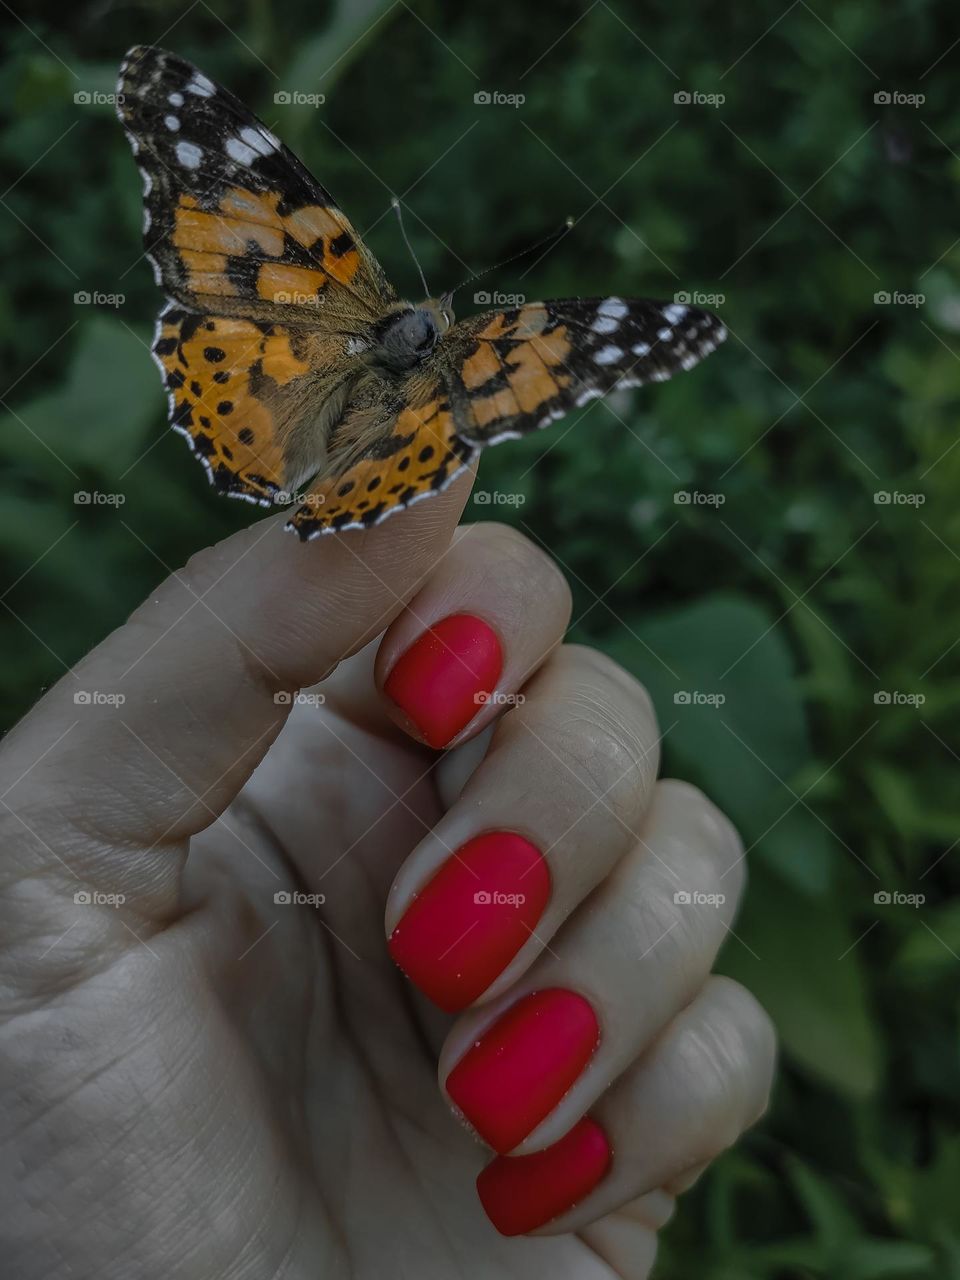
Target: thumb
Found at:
x=152, y=735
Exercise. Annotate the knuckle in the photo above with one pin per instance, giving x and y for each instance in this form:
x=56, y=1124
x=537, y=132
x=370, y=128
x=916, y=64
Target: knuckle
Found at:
x=531, y=557
x=615, y=681
x=498, y=549
x=710, y=829
x=606, y=751
x=744, y=1043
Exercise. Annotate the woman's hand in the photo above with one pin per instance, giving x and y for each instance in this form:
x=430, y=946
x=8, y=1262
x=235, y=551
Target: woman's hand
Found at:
x=214, y=1068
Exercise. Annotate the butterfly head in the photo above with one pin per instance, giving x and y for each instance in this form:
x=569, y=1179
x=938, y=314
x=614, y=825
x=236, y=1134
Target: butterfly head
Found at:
x=409, y=335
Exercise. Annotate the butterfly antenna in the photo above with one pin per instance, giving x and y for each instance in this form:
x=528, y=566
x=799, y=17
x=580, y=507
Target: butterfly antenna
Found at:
x=406, y=240
x=556, y=235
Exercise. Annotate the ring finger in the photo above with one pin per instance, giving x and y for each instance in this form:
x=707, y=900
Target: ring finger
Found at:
x=524, y=1068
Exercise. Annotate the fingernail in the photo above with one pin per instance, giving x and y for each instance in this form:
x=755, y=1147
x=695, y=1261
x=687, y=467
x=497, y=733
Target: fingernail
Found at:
x=522, y=1066
x=471, y=919
x=522, y=1193
x=441, y=680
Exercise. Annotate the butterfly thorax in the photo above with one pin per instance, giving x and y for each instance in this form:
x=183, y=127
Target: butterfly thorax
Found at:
x=408, y=334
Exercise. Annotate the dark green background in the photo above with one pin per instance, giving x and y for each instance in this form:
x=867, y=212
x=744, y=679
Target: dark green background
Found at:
x=799, y=599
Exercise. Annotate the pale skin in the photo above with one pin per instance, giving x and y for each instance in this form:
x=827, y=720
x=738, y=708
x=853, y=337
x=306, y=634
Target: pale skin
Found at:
x=200, y=1082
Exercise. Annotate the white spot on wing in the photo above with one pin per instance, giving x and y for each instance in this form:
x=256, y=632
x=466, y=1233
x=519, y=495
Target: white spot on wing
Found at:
x=665, y=334
x=175, y=99
x=641, y=349
x=608, y=355
x=239, y=151
x=258, y=140
x=615, y=308
x=674, y=313
x=189, y=155
x=172, y=123
x=605, y=324
x=201, y=86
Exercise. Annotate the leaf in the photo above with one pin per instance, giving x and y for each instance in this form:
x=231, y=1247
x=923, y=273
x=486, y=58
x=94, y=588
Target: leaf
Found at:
x=99, y=418
x=324, y=59
x=933, y=944
x=803, y=966
x=874, y=1259
x=729, y=704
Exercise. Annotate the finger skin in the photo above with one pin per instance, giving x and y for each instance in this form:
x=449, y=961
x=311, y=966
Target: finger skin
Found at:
x=503, y=580
x=636, y=952
x=199, y=666
x=571, y=771
x=707, y=1079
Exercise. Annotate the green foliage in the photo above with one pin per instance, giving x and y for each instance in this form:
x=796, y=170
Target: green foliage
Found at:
x=798, y=598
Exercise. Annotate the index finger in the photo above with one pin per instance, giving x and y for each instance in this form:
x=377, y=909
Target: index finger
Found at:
x=179, y=705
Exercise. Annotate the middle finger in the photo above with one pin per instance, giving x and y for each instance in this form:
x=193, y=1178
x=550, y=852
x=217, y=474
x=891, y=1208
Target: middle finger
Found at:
x=558, y=799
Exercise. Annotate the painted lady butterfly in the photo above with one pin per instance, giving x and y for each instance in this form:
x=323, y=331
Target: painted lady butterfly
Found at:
x=286, y=352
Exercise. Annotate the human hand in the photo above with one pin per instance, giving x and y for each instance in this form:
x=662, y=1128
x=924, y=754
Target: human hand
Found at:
x=207, y=1079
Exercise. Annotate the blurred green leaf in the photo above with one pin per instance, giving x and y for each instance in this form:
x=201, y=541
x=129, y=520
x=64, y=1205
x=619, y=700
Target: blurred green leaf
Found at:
x=800, y=958
x=732, y=715
x=98, y=419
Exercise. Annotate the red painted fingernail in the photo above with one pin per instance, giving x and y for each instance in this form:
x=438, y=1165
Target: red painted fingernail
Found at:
x=441, y=680
x=521, y=1067
x=521, y=1193
x=465, y=927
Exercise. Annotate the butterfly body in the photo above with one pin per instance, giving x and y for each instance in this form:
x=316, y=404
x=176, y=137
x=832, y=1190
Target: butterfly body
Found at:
x=287, y=354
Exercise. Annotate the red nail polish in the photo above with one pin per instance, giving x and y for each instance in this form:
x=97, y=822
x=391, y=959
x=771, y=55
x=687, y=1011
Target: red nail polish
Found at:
x=523, y=1065
x=471, y=919
x=441, y=679
x=521, y=1193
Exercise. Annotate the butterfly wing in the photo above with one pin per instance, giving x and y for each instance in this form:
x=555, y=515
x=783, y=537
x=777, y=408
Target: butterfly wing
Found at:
x=514, y=371
x=234, y=223
x=400, y=454
x=256, y=402
x=273, y=292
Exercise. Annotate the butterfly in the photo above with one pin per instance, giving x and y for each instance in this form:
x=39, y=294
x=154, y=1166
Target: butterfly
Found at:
x=286, y=352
